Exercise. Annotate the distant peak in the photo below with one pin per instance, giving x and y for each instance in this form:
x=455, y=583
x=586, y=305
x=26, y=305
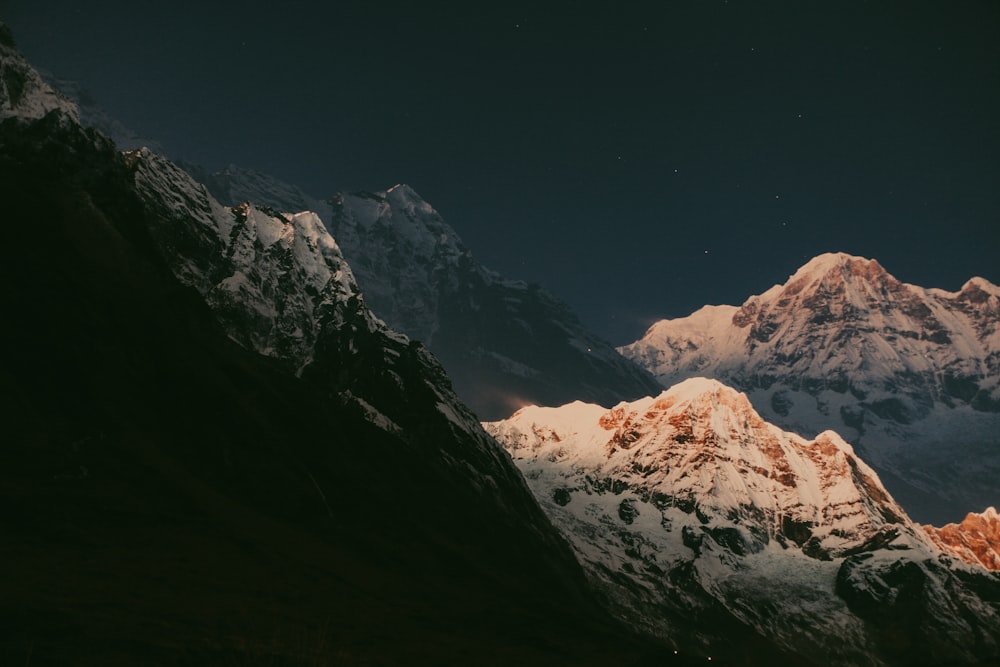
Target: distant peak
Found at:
x=830, y=261
x=978, y=283
x=990, y=513
x=975, y=540
x=403, y=190
x=839, y=267
x=700, y=386
x=706, y=391
x=404, y=197
x=699, y=392
x=237, y=169
x=687, y=391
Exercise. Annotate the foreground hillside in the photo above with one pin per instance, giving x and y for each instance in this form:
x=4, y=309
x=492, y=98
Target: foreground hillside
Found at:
x=174, y=496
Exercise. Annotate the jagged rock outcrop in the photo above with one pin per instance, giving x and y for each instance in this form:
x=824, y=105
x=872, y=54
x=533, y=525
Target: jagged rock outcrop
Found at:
x=975, y=540
x=275, y=280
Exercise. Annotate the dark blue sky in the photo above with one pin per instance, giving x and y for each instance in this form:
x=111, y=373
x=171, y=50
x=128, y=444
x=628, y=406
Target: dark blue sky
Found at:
x=637, y=161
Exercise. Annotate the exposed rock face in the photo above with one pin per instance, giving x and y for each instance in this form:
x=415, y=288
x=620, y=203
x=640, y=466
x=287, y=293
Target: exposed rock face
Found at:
x=975, y=540
x=690, y=504
x=275, y=280
x=843, y=345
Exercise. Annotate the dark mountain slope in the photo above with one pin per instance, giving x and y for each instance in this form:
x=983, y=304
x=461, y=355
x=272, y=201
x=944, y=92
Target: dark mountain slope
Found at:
x=172, y=498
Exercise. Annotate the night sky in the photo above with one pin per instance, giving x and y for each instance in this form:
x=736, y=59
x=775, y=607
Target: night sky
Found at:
x=637, y=161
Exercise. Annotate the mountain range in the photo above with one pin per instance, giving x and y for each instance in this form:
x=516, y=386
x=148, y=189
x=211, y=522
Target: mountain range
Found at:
x=910, y=375
x=230, y=440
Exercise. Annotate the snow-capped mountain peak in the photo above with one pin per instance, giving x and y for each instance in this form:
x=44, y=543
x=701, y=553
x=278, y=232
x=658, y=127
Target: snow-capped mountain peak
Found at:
x=406, y=214
x=834, y=263
x=844, y=345
x=700, y=445
x=689, y=505
x=979, y=284
x=405, y=197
